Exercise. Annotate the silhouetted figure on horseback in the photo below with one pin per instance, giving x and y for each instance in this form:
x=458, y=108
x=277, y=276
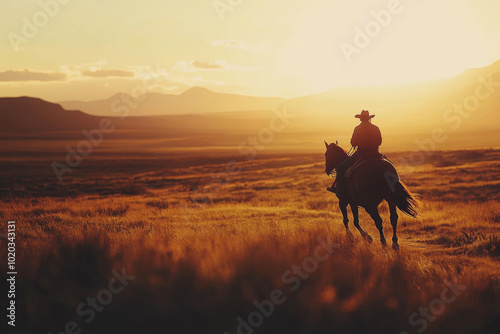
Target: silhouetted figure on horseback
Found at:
x=367, y=138
x=366, y=179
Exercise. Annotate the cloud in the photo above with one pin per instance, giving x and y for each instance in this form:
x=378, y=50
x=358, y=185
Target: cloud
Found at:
x=106, y=73
x=218, y=65
x=97, y=70
x=30, y=75
x=207, y=65
x=231, y=43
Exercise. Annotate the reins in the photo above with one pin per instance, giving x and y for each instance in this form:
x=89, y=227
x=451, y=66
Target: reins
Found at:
x=333, y=173
x=351, y=151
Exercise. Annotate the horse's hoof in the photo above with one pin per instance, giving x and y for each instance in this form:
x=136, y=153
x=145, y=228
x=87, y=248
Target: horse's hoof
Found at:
x=395, y=246
x=368, y=238
x=384, y=243
x=350, y=235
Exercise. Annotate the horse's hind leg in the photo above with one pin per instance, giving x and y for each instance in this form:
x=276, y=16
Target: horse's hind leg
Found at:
x=373, y=212
x=355, y=216
x=394, y=222
x=343, y=209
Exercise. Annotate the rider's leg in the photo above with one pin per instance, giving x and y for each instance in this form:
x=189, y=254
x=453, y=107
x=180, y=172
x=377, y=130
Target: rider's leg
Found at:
x=341, y=169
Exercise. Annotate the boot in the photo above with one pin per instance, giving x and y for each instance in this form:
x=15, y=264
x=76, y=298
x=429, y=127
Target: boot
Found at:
x=333, y=188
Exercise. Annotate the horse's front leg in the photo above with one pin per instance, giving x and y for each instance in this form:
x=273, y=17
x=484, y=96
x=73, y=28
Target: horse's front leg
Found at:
x=343, y=209
x=355, y=216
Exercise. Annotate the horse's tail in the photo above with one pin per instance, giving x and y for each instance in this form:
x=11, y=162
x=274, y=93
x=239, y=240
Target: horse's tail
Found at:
x=405, y=200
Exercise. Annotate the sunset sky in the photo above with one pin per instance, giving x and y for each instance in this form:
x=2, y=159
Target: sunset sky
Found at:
x=92, y=49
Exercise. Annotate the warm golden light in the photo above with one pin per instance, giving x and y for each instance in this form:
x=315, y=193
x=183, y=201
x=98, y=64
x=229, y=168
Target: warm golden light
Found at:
x=284, y=48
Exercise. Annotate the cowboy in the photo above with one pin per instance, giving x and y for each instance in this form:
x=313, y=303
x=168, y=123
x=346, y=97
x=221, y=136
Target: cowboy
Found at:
x=367, y=138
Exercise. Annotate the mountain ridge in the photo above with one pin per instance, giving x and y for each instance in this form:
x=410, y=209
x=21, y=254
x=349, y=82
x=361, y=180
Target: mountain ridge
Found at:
x=195, y=100
x=402, y=109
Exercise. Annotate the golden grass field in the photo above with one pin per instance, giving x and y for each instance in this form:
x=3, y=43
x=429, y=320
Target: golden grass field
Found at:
x=205, y=239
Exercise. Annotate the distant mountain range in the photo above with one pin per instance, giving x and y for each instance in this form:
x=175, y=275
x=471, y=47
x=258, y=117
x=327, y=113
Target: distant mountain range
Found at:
x=449, y=103
x=469, y=102
x=193, y=101
x=30, y=117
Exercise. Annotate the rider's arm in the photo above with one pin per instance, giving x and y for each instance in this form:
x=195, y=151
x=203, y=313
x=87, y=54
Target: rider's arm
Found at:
x=354, y=139
x=379, y=139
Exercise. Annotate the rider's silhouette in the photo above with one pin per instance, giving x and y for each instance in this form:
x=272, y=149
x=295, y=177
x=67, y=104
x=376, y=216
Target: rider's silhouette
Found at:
x=367, y=138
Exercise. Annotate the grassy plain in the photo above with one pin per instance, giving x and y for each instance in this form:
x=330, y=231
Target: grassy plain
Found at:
x=205, y=238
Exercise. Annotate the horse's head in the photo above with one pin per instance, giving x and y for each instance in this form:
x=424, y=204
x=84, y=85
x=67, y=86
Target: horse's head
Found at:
x=333, y=156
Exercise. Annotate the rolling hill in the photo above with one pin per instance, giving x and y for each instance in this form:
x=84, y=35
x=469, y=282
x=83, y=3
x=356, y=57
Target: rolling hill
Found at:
x=29, y=117
x=28, y=114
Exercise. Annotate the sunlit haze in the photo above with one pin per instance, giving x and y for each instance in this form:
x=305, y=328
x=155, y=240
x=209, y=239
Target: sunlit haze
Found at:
x=93, y=49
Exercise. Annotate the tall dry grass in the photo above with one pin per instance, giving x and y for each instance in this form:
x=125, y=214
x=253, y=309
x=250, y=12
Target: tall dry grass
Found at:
x=200, y=266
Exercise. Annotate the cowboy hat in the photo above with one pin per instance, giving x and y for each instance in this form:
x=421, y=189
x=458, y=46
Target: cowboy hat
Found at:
x=365, y=114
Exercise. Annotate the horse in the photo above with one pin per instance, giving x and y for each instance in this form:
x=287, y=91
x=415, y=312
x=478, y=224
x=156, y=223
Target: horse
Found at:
x=372, y=182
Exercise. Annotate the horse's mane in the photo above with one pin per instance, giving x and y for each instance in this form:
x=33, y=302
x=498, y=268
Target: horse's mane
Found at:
x=337, y=148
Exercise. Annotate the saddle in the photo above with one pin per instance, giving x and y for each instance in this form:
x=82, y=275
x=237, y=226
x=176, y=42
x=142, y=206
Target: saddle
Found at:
x=361, y=161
